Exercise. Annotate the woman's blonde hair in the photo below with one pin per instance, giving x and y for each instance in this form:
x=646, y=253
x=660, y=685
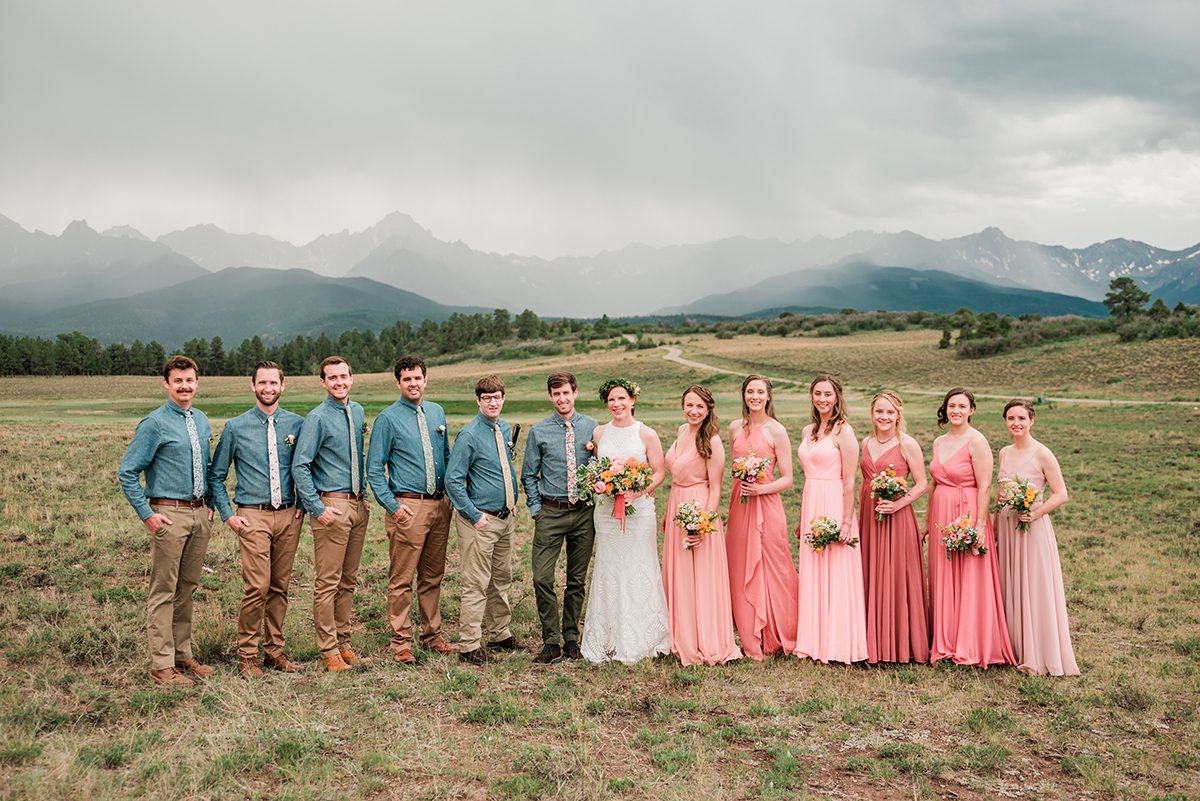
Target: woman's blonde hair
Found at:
x=891, y=397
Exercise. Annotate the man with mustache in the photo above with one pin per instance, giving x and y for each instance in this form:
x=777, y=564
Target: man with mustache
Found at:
x=259, y=444
x=170, y=446
x=328, y=469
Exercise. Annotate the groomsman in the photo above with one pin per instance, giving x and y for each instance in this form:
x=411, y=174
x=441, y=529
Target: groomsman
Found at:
x=259, y=445
x=170, y=446
x=328, y=470
x=555, y=448
x=482, y=484
x=406, y=467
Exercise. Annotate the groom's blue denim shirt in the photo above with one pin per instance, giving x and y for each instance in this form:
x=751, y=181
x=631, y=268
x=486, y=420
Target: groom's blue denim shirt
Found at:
x=544, y=471
x=161, y=447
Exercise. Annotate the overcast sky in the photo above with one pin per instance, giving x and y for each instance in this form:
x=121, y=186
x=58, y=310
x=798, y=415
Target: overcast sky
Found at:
x=555, y=128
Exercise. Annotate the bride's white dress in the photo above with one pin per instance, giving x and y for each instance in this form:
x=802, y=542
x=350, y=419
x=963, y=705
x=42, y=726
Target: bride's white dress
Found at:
x=626, y=618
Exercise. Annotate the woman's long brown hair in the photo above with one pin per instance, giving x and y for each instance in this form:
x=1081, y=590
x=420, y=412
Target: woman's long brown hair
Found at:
x=709, y=427
x=839, y=415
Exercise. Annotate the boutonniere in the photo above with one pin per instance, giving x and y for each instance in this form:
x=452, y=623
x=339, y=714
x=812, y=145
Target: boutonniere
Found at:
x=290, y=439
x=364, y=428
x=590, y=446
x=441, y=429
x=213, y=438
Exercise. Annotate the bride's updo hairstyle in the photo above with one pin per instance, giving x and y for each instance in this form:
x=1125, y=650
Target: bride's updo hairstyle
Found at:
x=625, y=384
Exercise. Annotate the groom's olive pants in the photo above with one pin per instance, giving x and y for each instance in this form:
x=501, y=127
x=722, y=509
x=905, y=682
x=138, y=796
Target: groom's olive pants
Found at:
x=552, y=529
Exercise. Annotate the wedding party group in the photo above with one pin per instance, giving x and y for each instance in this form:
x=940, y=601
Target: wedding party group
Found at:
x=979, y=584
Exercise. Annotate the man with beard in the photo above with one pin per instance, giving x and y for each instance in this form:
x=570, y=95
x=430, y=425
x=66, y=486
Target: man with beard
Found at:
x=170, y=446
x=259, y=444
x=556, y=447
x=327, y=468
x=406, y=467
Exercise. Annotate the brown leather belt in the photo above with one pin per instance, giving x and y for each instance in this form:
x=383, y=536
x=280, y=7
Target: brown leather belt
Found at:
x=563, y=504
x=503, y=514
x=420, y=496
x=196, y=504
x=342, y=496
x=266, y=507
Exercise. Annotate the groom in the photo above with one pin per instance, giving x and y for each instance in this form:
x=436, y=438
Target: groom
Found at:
x=555, y=448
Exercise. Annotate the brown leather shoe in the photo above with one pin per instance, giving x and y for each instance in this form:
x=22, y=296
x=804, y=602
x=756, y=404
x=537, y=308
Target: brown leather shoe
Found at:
x=249, y=669
x=478, y=656
x=280, y=662
x=440, y=645
x=404, y=657
x=354, y=659
x=335, y=664
x=194, y=667
x=170, y=677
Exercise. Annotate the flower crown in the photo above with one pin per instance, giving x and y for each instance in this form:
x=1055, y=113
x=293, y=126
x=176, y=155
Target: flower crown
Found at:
x=612, y=383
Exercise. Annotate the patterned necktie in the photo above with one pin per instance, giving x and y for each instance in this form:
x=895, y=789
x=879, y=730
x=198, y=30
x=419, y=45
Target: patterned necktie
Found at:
x=427, y=449
x=197, y=462
x=510, y=501
x=353, y=453
x=572, y=490
x=273, y=460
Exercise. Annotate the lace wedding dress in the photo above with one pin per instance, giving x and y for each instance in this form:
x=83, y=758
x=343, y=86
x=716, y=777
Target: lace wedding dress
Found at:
x=626, y=617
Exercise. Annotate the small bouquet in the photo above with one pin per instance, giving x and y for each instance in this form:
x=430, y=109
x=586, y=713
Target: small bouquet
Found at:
x=823, y=532
x=751, y=469
x=961, y=536
x=695, y=520
x=887, y=486
x=1016, y=494
x=606, y=477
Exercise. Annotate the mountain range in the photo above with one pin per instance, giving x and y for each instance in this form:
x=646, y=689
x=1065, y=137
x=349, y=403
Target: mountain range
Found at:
x=46, y=281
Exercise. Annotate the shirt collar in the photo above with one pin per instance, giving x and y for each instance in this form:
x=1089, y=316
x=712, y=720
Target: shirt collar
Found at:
x=574, y=419
x=175, y=407
x=410, y=404
x=336, y=404
x=483, y=418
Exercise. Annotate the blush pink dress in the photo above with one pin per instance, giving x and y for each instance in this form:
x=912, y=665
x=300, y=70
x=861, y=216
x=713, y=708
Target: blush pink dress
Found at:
x=1035, y=605
x=832, y=615
x=893, y=571
x=697, y=580
x=762, y=577
x=968, y=622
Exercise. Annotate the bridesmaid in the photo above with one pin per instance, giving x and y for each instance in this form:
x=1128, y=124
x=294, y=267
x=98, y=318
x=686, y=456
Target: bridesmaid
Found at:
x=832, y=616
x=968, y=616
x=762, y=577
x=695, y=573
x=893, y=568
x=1030, y=575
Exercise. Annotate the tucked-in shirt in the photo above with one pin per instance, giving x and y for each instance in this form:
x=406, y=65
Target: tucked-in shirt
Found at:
x=396, y=445
x=544, y=471
x=321, y=459
x=474, y=479
x=162, y=448
x=243, y=444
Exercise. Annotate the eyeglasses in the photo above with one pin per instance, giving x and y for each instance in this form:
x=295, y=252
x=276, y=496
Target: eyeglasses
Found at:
x=497, y=397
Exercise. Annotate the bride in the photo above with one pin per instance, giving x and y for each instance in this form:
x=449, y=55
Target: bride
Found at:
x=626, y=616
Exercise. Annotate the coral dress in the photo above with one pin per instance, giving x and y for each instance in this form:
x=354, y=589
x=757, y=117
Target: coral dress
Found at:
x=964, y=590
x=832, y=623
x=697, y=580
x=893, y=571
x=1035, y=605
x=762, y=578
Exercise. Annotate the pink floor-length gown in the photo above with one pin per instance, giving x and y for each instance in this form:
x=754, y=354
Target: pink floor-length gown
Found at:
x=1035, y=605
x=697, y=580
x=832, y=615
x=893, y=571
x=762, y=577
x=968, y=615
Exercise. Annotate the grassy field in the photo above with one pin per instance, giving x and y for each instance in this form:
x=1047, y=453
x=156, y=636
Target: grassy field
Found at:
x=79, y=718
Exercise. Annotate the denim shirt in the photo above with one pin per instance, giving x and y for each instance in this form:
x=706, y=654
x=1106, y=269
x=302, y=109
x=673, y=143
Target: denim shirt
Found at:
x=474, y=479
x=396, y=445
x=321, y=460
x=243, y=445
x=544, y=471
x=161, y=447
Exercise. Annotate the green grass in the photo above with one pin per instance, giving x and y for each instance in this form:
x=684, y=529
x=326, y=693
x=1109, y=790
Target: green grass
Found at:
x=81, y=719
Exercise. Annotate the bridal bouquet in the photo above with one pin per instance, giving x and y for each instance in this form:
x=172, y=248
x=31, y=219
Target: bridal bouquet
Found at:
x=961, y=536
x=695, y=520
x=823, y=532
x=751, y=469
x=887, y=486
x=606, y=477
x=1016, y=494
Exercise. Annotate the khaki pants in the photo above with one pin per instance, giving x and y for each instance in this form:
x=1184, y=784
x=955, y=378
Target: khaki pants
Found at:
x=337, y=551
x=417, y=543
x=176, y=558
x=486, y=573
x=268, y=550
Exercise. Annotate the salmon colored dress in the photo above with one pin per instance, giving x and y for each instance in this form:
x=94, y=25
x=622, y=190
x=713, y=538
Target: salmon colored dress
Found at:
x=832, y=616
x=893, y=571
x=696, y=580
x=762, y=577
x=968, y=621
